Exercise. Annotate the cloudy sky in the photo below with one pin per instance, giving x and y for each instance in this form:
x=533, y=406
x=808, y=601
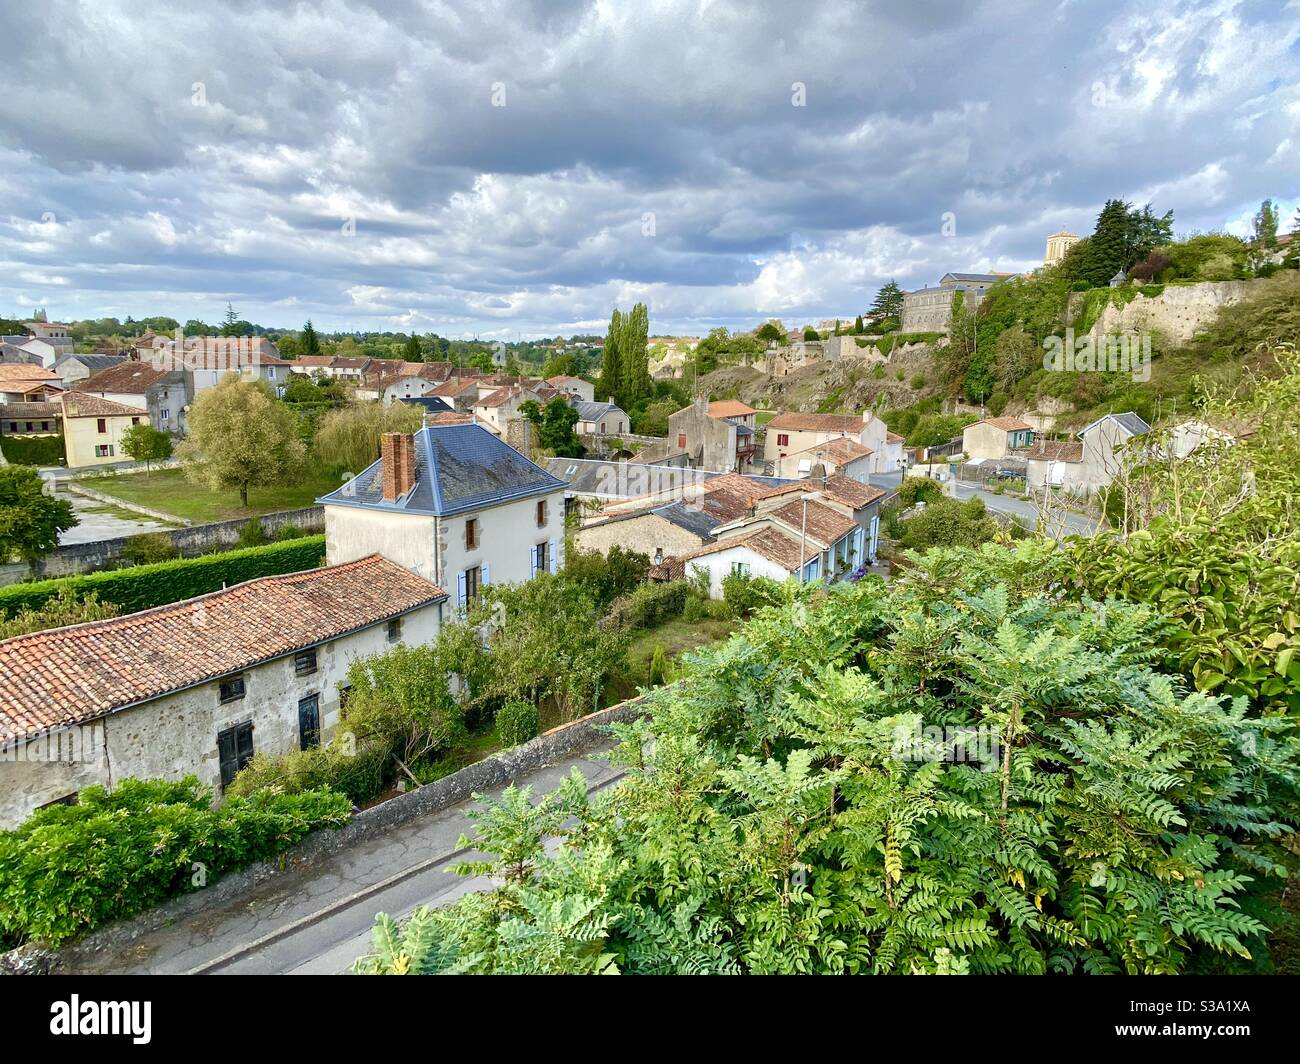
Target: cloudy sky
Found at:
x=496, y=168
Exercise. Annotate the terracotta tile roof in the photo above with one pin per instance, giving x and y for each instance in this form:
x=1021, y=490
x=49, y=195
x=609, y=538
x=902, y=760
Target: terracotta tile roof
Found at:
x=430, y=371
x=562, y=380
x=83, y=404
x=448, y=417
x=747, y=488
x=845, y=423
x=768, y=542
x=313, y=361
x=893, y=437
x=25, y=371
x=841, y=449
x=68, y=676
x=129, y=377
x=850, y=492
x=18, y=411
x=503, y=395
x=724, y=505
x=824, y=524
x=1007, y=424
x=1055, y=451
x=455, y=386
x=730, y=408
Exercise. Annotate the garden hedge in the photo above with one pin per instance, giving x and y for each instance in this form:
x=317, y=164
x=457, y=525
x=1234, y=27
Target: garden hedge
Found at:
x=141, y=587
x=33, y=450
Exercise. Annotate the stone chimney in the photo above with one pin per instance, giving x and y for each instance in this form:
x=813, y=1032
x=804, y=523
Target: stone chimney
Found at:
x=397, y=455
x=817, y=475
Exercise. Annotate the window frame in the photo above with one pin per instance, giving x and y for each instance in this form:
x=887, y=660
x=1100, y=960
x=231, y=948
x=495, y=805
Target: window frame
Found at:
x=231, y=681
x=306, y=663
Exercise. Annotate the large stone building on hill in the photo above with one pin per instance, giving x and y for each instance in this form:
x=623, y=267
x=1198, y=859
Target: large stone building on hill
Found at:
x=930, y=309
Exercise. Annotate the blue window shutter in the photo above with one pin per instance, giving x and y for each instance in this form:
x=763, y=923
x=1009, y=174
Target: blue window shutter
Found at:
x=486, y=578
x=532, y=568
x=552, y=555
x=460, y=589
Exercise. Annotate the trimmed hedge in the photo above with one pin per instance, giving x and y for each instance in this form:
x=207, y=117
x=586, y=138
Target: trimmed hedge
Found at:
x=141, y=587
x=33, y=450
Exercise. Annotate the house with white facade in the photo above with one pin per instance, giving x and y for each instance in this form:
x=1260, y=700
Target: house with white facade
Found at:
x=573, y=386
x=455, y=504
x=197, y=687
x=600, y=419
x=162, y=393
x=996, y=437
x=793, y=433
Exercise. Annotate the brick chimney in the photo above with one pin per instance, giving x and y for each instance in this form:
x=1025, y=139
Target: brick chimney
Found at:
x=397, y=455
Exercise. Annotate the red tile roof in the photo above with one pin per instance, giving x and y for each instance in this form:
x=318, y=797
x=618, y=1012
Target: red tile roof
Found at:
x=730, y=408
x=127, y=377
x=1007, y=424
x=748, y=489
x=68, y=676
x=817, y=520
x=768, y=542
x=842, y=449
x=24, y=371
x=83, y=404
x=845, y=423
x=1055, y=451
x=850, y=492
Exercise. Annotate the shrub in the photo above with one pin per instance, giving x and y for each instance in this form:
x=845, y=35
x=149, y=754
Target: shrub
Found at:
x=252, y=534
x=649, y=606
x=56, y=612
x=743, y=594
x=358, y=773
x=606, y=576
x=148, y=548
x=657, y=672
x=69, y=868
x=918, y=382
x=516, y=723
x=946, y=522
x=144, y=586
x=287, y=532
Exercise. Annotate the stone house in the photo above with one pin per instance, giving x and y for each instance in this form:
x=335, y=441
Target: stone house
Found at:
x=31, y=419
x=455, y=504
x=162, y=393
x=500, y=406
x=1089, y=463
x=843, y=455
x=996, y=437
x=573, y=386
x=198, y=686
x=716, y=436
x=600, y=419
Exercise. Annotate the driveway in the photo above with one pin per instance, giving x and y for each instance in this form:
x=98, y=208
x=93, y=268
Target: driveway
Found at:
x=98, y=521
x=318, y=920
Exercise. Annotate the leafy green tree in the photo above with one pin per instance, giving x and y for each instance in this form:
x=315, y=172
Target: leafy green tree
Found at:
x=857, y=326
x=230, y=323
x=241, y=436
x=1264, y=226
x=411, y=350
x=1144, y=232
x=144, y=443
x=31, y=519
x=771, y=331
x=350, y=438
x=810, y=333
x=555, y=423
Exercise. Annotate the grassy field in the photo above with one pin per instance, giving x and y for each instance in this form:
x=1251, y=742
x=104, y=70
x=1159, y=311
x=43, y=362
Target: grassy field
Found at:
x=762, y=417
x=168, y=490
x=677, y=637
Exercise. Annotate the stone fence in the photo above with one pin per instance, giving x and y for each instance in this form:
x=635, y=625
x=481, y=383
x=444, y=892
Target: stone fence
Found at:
x=192, y=541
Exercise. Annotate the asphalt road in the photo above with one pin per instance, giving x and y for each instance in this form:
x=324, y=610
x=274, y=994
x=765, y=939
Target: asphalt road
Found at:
x=318, y=920
x=1064, y=522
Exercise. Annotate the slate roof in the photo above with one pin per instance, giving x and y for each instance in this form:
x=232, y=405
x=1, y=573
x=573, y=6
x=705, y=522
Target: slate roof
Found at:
x=458, y=467
x=1130, y=421
x=688, y=518
x=594, y=411
x=94, y=363
x=433, y=404
x=67, y=676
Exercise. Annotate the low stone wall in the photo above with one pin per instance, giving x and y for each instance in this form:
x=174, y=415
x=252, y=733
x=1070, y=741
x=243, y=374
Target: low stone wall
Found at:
x=191, y=542
x=122, y=504
x=497, y=770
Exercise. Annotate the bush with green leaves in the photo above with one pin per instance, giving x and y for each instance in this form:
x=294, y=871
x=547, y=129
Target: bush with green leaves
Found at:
x=744, y=594
x=516, y=723
x=649, y=606
x=606, y=576
x=960, y=771
x=146, y=548
x=68, y=869
x=947, y=522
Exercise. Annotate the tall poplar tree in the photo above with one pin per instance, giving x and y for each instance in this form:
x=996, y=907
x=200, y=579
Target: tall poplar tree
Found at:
x=611, y=362
x=635, y=356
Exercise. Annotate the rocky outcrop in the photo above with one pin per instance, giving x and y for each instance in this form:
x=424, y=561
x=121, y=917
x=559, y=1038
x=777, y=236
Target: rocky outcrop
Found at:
x=1176, y=314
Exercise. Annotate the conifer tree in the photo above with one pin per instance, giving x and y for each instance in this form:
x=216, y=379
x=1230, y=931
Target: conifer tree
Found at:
x=310, y=341
x=1107, y=245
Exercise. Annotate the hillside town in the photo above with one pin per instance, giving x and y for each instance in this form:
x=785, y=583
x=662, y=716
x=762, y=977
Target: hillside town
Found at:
x=573, y=559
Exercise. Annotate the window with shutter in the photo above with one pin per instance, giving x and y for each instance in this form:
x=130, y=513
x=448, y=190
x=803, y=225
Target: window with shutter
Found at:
x=471, y=533
x=309, y=722
x=234, y=750
x=541, y=513
x=551, y=553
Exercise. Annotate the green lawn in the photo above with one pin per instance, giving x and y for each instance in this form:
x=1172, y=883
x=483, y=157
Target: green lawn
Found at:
x=676, y=637
x=168, y=490
x=762, y=417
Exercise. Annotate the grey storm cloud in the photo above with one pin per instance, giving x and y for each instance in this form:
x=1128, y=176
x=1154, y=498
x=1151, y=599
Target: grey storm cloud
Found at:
x=498, y=166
